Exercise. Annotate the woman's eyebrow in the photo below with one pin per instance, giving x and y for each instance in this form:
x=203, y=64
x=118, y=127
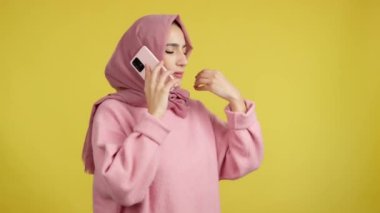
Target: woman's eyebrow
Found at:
x=175, y=45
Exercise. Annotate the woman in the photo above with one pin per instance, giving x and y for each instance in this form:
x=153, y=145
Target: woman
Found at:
x=153, y=149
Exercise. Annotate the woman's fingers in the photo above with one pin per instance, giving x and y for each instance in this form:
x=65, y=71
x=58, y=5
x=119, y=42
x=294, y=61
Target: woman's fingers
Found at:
x=171, y=84
x=206, y=73
x=148, y=73
x=207, y=80
x=163, y=77
x=156, y=71
x=148, y=77
x=204, y=87
x=158, y=77
x=200, y=81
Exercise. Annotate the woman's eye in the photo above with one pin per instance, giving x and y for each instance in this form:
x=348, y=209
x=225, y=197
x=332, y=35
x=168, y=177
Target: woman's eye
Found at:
x=169, y=52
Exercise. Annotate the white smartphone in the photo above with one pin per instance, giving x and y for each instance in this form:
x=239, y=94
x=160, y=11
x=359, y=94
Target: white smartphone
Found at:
x=142, y=57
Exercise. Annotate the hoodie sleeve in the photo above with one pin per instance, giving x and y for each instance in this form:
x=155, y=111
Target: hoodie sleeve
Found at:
x=239, y=142
x=126, y=164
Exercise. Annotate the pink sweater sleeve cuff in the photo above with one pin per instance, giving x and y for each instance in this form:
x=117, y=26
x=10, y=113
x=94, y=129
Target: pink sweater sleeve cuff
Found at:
x=152, y=127
x=241, y=120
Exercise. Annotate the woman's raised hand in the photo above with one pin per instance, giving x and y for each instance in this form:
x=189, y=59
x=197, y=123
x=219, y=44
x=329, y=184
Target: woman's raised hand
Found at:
x=157, y=87
x=215, y=82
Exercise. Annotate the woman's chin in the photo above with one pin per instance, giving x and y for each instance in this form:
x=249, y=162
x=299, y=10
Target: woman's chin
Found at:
x=179, y=85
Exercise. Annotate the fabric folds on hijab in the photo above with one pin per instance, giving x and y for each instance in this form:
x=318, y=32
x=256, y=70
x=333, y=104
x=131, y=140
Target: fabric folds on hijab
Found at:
x=151, y=31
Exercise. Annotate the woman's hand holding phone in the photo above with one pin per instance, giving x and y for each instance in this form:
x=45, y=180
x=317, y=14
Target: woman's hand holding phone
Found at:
x=157, y=87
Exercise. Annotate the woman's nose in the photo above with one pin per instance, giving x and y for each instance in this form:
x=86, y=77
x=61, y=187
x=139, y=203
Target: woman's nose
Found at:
x=182, y=60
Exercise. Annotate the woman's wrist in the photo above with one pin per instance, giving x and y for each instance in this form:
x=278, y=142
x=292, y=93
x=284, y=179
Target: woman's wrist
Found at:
x=237, y=104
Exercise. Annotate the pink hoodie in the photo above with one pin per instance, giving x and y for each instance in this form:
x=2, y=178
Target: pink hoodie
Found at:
x=169, y=165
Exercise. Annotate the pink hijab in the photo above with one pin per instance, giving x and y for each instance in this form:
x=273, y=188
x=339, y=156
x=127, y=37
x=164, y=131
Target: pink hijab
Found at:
x=151, y=31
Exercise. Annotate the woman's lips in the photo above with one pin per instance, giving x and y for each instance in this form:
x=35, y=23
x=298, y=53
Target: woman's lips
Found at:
x=178, y=74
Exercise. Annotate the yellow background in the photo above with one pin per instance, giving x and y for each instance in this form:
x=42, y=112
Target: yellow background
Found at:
x=312, y=67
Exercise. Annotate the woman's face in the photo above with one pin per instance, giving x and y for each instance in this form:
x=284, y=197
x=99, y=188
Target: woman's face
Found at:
x=175, y=52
